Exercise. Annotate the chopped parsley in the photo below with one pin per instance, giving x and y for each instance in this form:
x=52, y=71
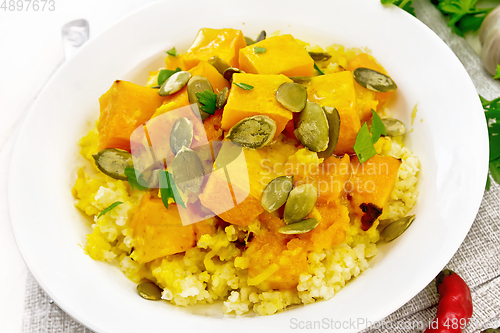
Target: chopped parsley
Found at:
x=133, y=180
x=168, y=189
x=110, y=207
x=207, y=100
x=172, y=52
x=165, y=74
x=497, y=75
x=259, y=49
x=364, y=146
x=243, y=86
x=378, y=127
x=319, y=70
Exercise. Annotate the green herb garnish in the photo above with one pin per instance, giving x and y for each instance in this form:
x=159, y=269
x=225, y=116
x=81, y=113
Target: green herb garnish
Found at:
x=165, y=74
x=377, y=128
x=403, y=4
x=259, y=49
x=497, y=75
x=492, y=113
x=463, y=15
x=244, y=86
x=135, y=181
x=110, y=207
x=172, y=52
x=364, y=146
x=207, y=100
x=168, y=189
x=319, y=70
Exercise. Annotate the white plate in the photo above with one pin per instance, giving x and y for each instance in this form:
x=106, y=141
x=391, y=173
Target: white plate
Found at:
x=449, y=135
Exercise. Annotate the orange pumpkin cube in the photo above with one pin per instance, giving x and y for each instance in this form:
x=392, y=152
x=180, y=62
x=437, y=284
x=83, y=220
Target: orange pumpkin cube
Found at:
x=225, y=43
x=158, y=231
x=261, y=100
x=124, y=107
x=282, y=55
x=337, y=90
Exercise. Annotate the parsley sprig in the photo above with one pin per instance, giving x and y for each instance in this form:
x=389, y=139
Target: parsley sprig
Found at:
x=207, y=100
x=497, y=75
x=406, y=5
x=463, y=15
x=364, y=145
x=492, y=113
x=165, y=74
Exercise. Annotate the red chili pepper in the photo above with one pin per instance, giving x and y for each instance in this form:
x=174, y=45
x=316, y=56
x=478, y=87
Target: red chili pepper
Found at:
x=455, y=304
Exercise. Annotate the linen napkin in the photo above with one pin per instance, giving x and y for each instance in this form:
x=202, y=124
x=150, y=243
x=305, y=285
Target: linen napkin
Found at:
x=477, y=260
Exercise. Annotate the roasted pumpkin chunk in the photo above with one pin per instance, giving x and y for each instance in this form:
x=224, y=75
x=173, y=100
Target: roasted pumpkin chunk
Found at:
x=225, y=43
x=172, y=62
x=282, y=55
x=124, y=107
x=180, y=98
x=158, y=231
x=337, y=90
x=261, y=100
x=371, y=184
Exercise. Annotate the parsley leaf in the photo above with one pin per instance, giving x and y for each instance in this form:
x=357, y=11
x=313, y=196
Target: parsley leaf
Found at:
x=497, y=75
x=463, y=15
x=172, y=52
x=110, y=207
x=492, y=113
x=364, y=146
x=259, y=49
x=207, y=100
x=168, y=189
x=378, y=127
x=165, y=74
x=243, y=86
x=133, y=180
x=403, y=4
x=319, y=70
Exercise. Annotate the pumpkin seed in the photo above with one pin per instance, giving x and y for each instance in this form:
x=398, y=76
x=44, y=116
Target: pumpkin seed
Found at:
x=149, y=290
x=174, y=83
x=333, y=117
x=220, y=64
x=276, y=193
x=253, y=132
x=187, y=170
x=301, y=201
x=181, y=134
x=393, y=127
x=396, y=228
x=299, y=227
x=228, y=73
x=300, y=79
x=262, y=35
x=222, y=98
x=373, y=80
x=195, y=85
x=249, y=40
x=312, y=128
x=112, y=162
x=320, y=56
x=292, y=96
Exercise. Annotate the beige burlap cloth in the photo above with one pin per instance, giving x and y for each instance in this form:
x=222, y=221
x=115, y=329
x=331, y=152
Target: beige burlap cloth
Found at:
x=477, y=260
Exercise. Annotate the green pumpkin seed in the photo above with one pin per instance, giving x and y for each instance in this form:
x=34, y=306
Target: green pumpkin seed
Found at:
x=301, y=201
x=220, y=64
x=149, y=290
x=276, y=193
x=333, y=117
x=300, y=79
x=228, y=73
x=299, y=227
x=181, y=134
x=253, y=132
x=222, y=98
x=262, y=35
x=195, y=85
x=249, y=40
x=112, y=162
x=393, y=127
x=320, y=56
x=312, y=128
x=187, y=170
x=396, y=228
x=292, y=96
x=373, y=80
x=174, y=83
